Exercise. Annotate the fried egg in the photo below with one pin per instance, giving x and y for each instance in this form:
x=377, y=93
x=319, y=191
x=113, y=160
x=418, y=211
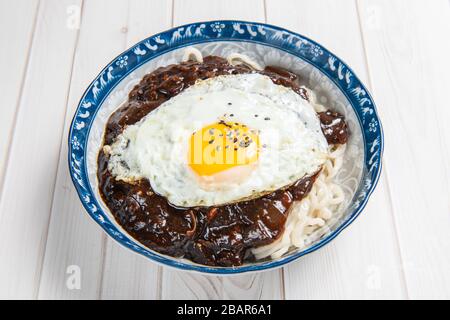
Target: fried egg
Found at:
x=222, y=140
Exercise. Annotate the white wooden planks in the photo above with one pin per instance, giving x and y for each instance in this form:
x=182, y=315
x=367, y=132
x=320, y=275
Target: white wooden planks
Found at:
x=407, y=45
x=30, y=176
x=17, y=33
x=363, y=261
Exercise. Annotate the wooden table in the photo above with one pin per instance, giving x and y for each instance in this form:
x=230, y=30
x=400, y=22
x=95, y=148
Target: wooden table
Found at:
x=398, y=248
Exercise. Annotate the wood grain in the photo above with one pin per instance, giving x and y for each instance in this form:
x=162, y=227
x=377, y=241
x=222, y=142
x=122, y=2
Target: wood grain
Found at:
x=19, y=42
x=363, y=261
x=407, y=45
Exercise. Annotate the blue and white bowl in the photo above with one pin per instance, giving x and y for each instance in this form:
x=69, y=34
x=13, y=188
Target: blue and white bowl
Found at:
x=334, y=83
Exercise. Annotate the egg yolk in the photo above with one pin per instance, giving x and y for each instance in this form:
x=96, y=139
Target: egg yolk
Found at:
x=221, y=146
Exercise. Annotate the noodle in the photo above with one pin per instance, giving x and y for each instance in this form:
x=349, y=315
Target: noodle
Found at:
x=312, y=212
x=192, y=52
x=237, y=58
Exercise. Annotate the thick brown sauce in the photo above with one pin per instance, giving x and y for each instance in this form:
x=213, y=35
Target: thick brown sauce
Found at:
x=218, y=236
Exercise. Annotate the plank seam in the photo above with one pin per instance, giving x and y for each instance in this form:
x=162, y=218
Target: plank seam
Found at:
x=265, y=10
x=104, y=249
x=283, y=287
x=159, y=276
x=172, y=16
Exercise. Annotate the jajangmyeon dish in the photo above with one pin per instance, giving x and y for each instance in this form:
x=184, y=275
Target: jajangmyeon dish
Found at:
x=221, y=161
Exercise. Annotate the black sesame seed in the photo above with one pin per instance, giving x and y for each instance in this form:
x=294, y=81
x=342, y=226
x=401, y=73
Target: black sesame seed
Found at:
x=266, y=118
x=229, y=103
x=256, y=116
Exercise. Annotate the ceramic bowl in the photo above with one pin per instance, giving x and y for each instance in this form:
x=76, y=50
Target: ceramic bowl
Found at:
x=334, y=83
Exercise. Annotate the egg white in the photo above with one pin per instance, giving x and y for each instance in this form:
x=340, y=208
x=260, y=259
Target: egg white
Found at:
x=157, y=147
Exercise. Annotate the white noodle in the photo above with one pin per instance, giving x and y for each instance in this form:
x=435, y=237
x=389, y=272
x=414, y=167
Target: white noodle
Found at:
x=192, y=53
x=312, y=212
x=238, y=58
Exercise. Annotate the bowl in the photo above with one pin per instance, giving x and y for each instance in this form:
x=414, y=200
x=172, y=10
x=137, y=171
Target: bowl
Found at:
x=334, y=83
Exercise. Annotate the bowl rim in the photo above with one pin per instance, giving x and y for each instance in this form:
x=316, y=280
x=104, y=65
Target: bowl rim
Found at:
x=77, y=158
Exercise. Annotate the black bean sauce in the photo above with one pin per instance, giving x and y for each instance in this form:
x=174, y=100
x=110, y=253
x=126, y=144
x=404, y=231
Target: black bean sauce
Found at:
x=218, y=236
